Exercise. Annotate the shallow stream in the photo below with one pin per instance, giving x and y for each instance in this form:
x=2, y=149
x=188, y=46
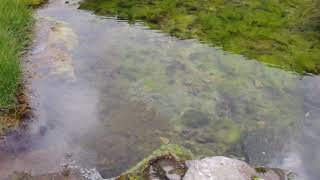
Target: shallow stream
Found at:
x=105, y=93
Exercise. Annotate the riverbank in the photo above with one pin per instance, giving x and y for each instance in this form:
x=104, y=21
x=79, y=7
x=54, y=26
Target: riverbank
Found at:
x=281, y=33
x=173, y=162
x=16, y=20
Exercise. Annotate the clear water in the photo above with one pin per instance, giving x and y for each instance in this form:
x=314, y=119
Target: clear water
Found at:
x=104, y=91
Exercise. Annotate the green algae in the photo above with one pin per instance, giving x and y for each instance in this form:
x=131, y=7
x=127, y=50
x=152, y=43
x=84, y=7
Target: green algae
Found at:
x=227, y=131
x=281, y=33
x=262, y=144
x=226, y=96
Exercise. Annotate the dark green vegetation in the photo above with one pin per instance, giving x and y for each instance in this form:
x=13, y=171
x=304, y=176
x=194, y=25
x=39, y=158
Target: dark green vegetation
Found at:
x=282, y=33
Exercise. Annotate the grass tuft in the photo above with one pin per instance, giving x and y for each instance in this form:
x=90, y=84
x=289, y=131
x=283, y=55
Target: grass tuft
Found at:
x=15, y=24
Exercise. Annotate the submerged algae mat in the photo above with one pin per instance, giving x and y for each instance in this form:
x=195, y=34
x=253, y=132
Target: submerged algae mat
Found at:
x=281, y=33
x=106, y=93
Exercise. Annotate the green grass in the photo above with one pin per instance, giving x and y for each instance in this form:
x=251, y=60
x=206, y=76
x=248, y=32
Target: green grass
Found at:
x=15, y=25
x=285, y=33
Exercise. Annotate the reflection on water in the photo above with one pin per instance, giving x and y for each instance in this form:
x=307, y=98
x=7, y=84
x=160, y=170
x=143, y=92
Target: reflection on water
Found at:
x=106, y=93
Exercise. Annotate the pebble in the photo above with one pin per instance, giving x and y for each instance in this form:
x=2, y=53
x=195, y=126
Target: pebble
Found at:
x=164, y=140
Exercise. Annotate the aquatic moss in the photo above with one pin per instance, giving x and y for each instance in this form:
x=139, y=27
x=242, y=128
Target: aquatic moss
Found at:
x=176, y=150
x=179, y=153
x=281, y=33
x=226, y=131
x=227, y=96
x=195, y=118
x=174, y=76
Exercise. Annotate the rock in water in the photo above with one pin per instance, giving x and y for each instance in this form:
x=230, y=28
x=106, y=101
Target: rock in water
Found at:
x=164, y=140
x=173, y=162
x=223, y=168
x=258, y=84
x=194, y=118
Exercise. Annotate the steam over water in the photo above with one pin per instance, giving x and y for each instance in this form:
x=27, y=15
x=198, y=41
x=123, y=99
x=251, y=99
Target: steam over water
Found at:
x=104, y=91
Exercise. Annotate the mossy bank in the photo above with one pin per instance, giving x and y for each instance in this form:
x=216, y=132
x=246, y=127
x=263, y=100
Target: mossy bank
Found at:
x=281, y=33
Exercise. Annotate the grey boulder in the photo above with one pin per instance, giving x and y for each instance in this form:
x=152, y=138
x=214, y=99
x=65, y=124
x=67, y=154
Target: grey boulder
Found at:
x=223, y=168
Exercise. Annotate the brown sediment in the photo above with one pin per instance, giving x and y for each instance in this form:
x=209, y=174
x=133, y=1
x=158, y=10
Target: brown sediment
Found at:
x=13, y=118
x=36, y=3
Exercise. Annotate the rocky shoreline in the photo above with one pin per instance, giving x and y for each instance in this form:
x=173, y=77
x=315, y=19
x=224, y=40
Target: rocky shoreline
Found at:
x=173, y=162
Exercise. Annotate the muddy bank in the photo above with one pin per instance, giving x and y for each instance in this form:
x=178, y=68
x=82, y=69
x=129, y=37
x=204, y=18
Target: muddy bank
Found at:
x=15, y=119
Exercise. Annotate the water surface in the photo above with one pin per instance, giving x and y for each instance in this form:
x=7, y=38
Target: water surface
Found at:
x=104, y=91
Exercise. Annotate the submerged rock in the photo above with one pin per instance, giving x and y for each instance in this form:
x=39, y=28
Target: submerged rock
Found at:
x=172, y=162
x=312, y=88
x=175, y=66
x=258, y=84
x=263, y=146
x=164, y=140
x=194, y=118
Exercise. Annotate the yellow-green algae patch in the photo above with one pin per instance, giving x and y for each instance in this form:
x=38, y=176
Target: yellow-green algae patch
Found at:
x=281, y=33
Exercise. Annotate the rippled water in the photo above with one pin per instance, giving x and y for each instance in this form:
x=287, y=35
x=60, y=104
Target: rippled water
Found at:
x=105, y=91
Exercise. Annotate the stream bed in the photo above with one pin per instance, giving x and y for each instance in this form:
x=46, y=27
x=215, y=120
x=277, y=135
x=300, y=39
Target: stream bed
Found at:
x=105, y=93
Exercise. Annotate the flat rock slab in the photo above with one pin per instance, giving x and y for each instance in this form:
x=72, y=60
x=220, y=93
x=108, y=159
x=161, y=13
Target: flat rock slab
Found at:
x=223, y=168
